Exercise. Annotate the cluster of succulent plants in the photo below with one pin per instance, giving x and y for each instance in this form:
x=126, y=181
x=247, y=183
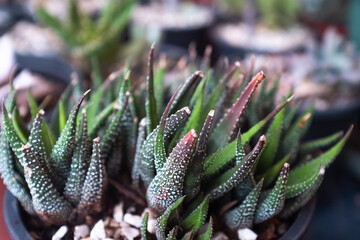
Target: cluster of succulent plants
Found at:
x=190, y=163
x=87, y=36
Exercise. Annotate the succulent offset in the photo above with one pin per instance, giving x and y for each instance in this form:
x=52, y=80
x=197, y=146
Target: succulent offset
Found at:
x=202, y=151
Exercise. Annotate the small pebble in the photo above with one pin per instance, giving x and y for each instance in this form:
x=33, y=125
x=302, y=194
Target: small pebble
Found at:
x=131, y=210
x=60, y=233
x=151, y=226
x=114, y=224
x=119, y=212
x=109, y=232
x=118, y=233
x=81, y=231
x=98, y=231
x=246, y=234
x=130, y=233
x=220, y=236
x=134, y=220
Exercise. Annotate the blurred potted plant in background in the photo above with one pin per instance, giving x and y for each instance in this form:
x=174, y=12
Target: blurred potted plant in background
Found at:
x=228, y=10
x=322, y=14
x=86, y=38
x=266, y=27
x=327, y=77
x=172, y=22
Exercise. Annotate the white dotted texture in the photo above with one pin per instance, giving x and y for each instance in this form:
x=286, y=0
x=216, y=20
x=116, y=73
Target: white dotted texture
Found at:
x=48, y=203
x=167, y=186
x=147, y=156
x=95, y=179
x=274, y=200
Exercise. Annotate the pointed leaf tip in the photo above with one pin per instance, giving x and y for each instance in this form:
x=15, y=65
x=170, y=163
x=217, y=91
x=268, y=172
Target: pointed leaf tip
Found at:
x=290, y=98
x=322, y=171
x=199, y=73
x=153, y=45
x=186, y=109
x=193, y=133
x=41, y=112
x=25, y=147
x=349, y=131
x=211, y=113
x=127, y=76
x=304, y=120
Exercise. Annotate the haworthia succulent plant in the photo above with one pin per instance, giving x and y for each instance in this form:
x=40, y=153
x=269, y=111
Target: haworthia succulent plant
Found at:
x=186, y=178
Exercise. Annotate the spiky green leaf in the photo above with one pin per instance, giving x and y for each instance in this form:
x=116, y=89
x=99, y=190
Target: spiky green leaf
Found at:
x=79, y=163
x=60, y=158
x=197, y=218
x=273, y=201
x=231, y=178
x=150, y=105
x=95, y=180
x=195, y=168
x=145, y=235
x=13, y=182
x=147, y=156
x=48, y=203
x=162, y=221
x=242, y=216
x=167, y=186
x=208, y=233
x=228, y=126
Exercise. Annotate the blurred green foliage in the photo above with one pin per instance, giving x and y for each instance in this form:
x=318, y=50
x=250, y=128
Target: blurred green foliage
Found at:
x=278, y=13
x=88, y=37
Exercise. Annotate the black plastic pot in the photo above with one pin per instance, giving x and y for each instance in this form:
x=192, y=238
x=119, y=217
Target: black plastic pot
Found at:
x=327, y=122
x=17, y=230
x=223, y=48
x=173, y=52
x=53, y=67
x=184, y=36
x=301, y=222
x=13, y=218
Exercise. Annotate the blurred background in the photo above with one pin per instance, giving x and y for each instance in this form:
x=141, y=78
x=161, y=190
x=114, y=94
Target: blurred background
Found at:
x=311, y=46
